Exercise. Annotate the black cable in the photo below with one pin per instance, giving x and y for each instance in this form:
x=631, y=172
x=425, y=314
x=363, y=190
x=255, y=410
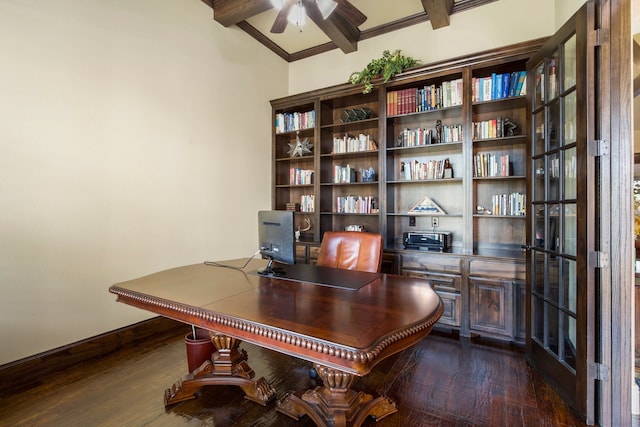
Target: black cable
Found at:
x=233, y=267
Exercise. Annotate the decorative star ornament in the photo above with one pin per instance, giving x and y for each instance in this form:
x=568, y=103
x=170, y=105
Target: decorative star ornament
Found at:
x=300, y=148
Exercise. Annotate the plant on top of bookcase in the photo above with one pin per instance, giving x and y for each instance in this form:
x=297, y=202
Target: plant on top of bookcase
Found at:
x=386, y=67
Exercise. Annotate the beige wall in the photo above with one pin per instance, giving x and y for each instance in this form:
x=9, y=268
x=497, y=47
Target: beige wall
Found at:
x=497, y=24
x=134, y=137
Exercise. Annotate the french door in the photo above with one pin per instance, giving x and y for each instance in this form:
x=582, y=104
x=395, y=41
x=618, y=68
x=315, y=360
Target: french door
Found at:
x=562, y=255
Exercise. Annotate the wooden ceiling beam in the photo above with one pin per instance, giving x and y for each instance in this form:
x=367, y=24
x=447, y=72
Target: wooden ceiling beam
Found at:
x=230, y=12
x=341, y=32
x=438, y=12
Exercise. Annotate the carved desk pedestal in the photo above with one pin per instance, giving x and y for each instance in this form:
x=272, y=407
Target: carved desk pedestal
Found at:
x=228, y=366
x=334, y=403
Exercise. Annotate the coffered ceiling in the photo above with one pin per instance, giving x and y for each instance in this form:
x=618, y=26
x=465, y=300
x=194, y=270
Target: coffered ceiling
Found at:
x=350, y=22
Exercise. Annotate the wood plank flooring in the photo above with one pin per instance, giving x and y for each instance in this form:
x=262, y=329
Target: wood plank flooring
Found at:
x=438, y=382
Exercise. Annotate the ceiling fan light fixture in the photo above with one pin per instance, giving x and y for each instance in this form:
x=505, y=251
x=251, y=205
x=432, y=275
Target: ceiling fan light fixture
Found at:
x=297, y=15
x=326, y=7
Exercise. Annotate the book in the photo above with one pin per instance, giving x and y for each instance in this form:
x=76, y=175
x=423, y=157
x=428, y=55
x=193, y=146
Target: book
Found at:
x=521, y=76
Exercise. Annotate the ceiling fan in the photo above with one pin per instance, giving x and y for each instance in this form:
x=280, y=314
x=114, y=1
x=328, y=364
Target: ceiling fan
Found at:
x=324, y=13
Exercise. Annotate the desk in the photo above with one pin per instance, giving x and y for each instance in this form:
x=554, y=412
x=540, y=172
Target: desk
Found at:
x=344, y=333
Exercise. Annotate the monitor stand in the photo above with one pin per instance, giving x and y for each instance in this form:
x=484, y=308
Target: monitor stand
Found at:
x=272, y=270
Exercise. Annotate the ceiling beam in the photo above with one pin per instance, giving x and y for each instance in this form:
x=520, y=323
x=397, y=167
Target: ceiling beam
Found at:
x=230, y=12
x=438, y=12
x=341, y=32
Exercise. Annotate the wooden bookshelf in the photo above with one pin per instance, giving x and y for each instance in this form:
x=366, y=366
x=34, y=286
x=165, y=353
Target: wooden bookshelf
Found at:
x=417, y=121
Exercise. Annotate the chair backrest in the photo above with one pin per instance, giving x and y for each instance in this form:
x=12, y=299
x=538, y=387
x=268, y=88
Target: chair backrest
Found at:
x=351, y=250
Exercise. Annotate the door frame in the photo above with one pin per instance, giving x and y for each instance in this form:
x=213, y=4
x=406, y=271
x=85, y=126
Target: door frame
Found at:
x=616, y=279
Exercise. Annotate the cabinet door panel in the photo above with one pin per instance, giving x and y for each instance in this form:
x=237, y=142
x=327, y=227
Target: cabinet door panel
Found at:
x=452, y=309
x=490, y=302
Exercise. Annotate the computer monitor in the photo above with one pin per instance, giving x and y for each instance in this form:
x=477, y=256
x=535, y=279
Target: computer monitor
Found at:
x=276, y=239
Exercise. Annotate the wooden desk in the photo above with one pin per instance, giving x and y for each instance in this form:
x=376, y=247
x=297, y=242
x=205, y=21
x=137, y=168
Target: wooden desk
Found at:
x=342, y=332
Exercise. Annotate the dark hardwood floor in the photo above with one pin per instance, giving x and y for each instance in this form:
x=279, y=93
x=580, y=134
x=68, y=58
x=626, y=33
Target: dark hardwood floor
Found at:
x=438, y=382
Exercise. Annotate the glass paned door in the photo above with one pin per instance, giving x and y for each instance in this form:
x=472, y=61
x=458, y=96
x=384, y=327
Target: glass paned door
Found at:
x=559, y=314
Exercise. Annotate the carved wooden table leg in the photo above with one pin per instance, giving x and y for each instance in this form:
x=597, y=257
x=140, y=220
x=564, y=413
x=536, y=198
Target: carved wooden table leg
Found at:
x=228, y=366
x=335, y=403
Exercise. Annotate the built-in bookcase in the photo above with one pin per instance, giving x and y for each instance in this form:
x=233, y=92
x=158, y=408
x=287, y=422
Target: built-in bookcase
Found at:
x=438, y=135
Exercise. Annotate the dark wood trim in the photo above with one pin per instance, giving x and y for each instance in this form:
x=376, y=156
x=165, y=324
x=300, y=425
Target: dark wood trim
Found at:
x=29, y=372
x=438, y=12
x=418, y=18
x=253, y=32
x=617, y=279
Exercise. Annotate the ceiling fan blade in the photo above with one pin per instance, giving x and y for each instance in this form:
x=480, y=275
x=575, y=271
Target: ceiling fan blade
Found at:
x=350, y=13
x=280, y=23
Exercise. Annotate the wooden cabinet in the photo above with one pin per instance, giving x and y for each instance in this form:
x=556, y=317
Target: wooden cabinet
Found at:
x=422, y=136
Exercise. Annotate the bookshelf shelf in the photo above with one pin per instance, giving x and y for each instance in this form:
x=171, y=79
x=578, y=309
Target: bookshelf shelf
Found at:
x=498, y=178
x=349, y=214
x=426, y=181
x=499, y=141
x=436, y=111
x=354, y=125
x=301, y=132
x=360, y=183
x=351, y=154
x=500, y=216
x=294, y=185
x=444, y=146
x=407, y=214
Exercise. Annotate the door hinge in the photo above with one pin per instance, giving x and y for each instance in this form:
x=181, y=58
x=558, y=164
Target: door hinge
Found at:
x=599, y=37
x=599, y=371
x=598, y=147
x=598, y=259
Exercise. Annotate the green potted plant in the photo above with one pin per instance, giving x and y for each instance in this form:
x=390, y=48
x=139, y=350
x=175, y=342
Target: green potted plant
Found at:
x=386, y=67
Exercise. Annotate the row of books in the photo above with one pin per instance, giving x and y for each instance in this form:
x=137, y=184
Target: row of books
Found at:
x=415, y=170
x=420, y=136
x=352, y=144
x=513, y=204
x=298, y=176
x=489, y=164
x=356, y=204
x=344, y=174
x=498, y=86
x=307, y=203
x=427, y=98
x=569, y=167
x=288, y=122
x=348, y=174
x=486, y=129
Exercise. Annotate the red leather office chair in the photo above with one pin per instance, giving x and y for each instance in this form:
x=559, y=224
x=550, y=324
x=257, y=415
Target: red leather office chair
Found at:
x=351, y=250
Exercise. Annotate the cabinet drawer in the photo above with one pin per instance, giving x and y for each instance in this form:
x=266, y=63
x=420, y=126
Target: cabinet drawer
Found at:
x=435, y=263
x=514, y=270
x=313, y=253
x=301, y=254
x=445, y=282
x=452, y=314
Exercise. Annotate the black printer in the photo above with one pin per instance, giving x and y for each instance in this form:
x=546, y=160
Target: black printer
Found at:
x=427, y=240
